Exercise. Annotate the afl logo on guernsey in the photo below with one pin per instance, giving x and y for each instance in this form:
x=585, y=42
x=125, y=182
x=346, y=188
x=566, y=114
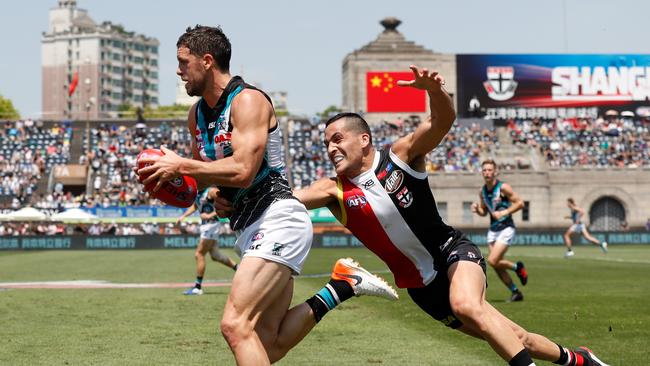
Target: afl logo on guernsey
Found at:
x=394, y=181
x=356, y=201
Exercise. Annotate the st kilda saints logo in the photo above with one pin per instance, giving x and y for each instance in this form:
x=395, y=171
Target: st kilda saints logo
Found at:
x=500, y=84
x=404, y=197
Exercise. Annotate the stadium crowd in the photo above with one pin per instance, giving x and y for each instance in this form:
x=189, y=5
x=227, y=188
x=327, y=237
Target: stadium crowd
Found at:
x=112, y=154
x=48, y=228
x=603, y=142
x=460, y=151
x=28, y=150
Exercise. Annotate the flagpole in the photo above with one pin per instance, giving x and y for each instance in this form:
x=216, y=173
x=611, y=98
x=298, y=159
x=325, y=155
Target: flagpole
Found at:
x=566, y=31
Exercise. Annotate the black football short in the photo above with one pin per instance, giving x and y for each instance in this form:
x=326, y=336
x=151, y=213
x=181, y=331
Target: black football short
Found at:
x=434, y=298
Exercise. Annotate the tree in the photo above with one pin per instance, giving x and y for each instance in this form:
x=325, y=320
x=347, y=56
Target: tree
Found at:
x=329, y=111
x=164, y=111
x=7, y=110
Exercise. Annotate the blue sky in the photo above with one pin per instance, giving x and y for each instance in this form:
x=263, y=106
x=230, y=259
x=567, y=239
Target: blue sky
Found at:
x=298, y=46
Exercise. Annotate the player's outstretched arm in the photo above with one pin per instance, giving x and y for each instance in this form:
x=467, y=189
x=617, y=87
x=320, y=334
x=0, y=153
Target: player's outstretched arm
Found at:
x=319, y=194
x=190, y=210
x=430, y=132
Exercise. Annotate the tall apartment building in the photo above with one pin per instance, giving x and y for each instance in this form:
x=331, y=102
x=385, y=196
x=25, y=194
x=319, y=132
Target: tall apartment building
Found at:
x=110, y=66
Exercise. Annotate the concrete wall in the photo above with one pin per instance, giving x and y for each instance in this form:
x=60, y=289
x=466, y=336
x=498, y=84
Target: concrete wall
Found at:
x=547, y=193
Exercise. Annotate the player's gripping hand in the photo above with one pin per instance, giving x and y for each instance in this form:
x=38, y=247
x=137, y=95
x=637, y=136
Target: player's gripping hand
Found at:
x=222, y=206
x=160, y=169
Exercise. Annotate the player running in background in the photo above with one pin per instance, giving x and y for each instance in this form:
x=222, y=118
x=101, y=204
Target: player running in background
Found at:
x=500, y=201
x=579, y=228
x=383, y=197
x=208, y=240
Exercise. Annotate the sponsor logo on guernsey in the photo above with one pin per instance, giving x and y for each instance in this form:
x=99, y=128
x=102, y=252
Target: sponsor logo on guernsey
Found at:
x=222, y=137
x=383, y=173
x=394, y=181
x=258, y=235
x=356, y=201
x=405, y=197
x=212, y=125
x=369, y=184
x=199, y=138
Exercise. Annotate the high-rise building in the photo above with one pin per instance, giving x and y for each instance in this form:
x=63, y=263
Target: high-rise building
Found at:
x=92, y=70
x=181, y=94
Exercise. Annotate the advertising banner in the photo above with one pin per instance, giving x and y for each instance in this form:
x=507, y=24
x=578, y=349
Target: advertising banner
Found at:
x=325, y=240
x=550, y=86
x=148, y=212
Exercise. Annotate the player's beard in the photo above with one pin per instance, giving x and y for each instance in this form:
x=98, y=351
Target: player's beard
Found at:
x=196, y=88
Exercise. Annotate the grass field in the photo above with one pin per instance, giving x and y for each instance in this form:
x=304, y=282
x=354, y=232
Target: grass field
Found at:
x=592, y=299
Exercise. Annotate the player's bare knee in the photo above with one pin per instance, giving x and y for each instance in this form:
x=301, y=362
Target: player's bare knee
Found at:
x=234, y=330
x=526, y=340
x=469, y=312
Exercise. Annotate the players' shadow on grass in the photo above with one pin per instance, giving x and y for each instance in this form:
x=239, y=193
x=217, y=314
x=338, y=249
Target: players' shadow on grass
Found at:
x=211, y=293
x=500, y=301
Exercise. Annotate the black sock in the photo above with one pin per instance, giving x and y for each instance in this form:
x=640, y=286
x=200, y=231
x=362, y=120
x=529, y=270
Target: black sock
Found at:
x=198, y=282
x=569, y=358
x=521, y=359
x=564, y=356
x=332, y=294
x=343, y=289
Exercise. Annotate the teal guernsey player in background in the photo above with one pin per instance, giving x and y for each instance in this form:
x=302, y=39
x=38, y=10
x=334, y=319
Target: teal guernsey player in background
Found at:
x=500, y=201
x=578, y=227
x=208, y=240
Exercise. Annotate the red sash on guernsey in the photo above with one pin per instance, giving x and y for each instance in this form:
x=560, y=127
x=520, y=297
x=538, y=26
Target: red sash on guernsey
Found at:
x=359, y=217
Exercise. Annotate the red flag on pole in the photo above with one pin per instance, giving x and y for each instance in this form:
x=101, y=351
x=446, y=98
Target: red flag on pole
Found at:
x=383, y=94
x=73, y=83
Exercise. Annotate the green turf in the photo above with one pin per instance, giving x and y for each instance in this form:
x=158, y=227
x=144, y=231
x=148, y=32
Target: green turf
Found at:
x=591, y=299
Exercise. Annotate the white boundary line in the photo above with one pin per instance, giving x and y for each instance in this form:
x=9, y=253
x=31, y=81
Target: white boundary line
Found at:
x=604, y=258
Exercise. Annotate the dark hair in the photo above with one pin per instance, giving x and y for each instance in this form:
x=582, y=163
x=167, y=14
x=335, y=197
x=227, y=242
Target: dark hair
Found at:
x=571, y=201
x=353, y=121
x=202, y=40
x=489, y=161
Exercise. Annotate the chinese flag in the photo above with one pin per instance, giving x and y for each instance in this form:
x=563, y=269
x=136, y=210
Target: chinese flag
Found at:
x=73, y=83
x=385, y=96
